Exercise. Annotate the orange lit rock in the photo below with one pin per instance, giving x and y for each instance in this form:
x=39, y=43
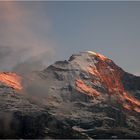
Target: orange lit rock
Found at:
x=137, y=109
x=110, y=77
x=11, y=79
x=102, y=57
x=82, y=87
x=93, y=71
x=126, y=106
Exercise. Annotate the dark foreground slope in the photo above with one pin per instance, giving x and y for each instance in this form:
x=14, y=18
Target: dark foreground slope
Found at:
x=88, y=96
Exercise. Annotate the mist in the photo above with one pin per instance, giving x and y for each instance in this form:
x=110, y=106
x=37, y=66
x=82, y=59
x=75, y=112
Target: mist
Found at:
x=22, y=48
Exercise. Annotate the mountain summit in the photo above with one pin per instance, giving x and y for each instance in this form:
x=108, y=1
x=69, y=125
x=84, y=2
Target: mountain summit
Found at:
x=87, y=96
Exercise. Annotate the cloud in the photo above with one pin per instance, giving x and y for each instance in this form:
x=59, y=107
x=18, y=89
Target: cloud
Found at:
x=23, y=28
x=137, y=73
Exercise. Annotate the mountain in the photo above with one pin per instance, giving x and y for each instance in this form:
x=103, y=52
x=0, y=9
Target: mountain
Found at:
x=85, y=97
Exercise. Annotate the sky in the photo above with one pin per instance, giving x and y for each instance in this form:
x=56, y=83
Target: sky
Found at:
x=34, y=35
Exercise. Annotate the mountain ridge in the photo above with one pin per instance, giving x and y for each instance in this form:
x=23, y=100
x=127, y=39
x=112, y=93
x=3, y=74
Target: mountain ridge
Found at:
x=83, y=97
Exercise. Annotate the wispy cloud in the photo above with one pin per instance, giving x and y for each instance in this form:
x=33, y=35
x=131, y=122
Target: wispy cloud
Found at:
x=21, y=35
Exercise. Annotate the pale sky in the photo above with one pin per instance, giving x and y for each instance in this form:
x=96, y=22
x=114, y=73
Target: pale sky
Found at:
x=45, y=32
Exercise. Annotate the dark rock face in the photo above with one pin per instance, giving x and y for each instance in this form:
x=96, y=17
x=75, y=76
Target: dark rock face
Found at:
x=132, y=83
x=86, y=97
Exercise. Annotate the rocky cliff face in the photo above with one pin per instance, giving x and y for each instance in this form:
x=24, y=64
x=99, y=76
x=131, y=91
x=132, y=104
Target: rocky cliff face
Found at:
x=88, y=96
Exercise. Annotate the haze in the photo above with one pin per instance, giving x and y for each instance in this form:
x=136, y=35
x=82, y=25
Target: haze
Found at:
x=35, y=34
